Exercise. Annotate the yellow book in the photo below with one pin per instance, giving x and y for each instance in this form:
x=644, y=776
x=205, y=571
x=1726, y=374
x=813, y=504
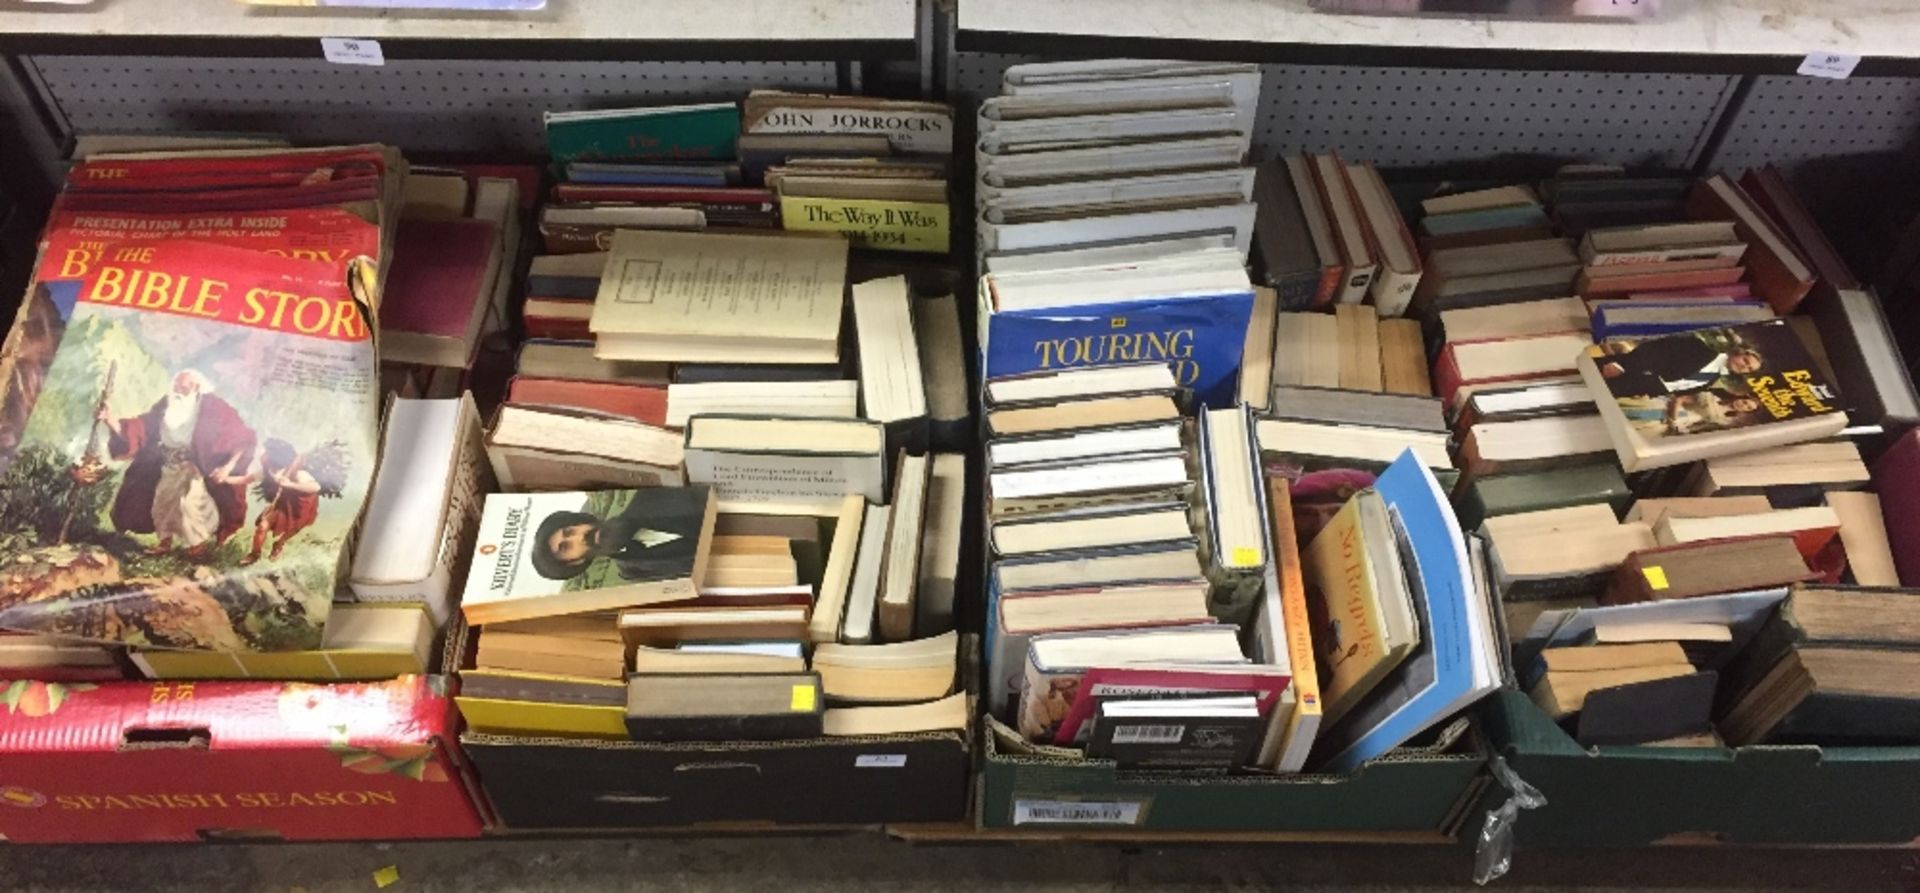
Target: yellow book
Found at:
x=359, y=642
x=871, y=223
x=1303, y=724
x=510, y=703
x=1364, y=623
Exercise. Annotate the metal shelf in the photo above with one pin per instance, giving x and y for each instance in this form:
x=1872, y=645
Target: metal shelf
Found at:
x=569, y=30
x=1698, y=36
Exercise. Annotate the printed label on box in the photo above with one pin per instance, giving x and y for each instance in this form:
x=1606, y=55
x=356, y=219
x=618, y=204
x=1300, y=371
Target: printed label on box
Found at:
x=880, y=761
x=1077, y=812
x=1829, y=65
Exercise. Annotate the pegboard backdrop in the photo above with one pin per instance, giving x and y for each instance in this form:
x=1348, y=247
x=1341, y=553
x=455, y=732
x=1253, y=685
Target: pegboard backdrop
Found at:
x=1795, y=120
x=454, y=106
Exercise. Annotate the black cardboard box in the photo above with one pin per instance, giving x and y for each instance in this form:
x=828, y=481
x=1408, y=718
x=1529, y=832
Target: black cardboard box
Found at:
x=567, y=783
x=1636, y=795
x=1413, y=789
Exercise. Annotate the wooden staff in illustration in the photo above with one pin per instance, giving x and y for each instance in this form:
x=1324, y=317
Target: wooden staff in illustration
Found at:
x=90, y=469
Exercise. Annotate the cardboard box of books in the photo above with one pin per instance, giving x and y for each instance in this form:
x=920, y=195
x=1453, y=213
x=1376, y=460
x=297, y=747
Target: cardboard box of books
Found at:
x=123, y=762
x=1765, y=716
x=675, y=705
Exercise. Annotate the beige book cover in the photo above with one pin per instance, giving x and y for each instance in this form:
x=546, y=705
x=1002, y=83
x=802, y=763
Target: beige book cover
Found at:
x=722, y=285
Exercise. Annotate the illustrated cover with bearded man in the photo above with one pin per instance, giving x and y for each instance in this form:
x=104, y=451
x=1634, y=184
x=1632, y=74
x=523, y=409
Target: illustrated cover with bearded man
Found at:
x=190, y=466
x=545, y=554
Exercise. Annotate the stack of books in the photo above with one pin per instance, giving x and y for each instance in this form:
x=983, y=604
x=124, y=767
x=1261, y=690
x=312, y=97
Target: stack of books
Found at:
x=1117, y=188
x=455, y=258
x=1351, y=349
x=1330, y=233
x=1490, y=247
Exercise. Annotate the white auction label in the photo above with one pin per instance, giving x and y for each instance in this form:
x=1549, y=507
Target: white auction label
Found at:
x=1828, y=65
x=352, y=51
x=880, y=761
x=1075, y=812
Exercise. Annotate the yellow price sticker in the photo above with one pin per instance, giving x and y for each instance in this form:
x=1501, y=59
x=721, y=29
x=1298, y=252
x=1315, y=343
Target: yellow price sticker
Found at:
x=386, y=877
x=1245, y=556
x=803, y=699
x=1656, y=577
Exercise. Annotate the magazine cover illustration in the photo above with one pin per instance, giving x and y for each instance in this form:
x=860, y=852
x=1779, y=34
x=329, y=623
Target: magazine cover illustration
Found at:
x=187, y=469
x=1714, y=380
x=546, y=543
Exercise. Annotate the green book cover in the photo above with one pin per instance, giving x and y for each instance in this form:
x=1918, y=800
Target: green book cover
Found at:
x=709, y=131
x=1533, y=491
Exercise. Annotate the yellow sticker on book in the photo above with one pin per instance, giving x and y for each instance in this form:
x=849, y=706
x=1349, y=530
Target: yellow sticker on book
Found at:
x=1656, y=577
x=1245, y=556
x=870, y=223
x=802, y=701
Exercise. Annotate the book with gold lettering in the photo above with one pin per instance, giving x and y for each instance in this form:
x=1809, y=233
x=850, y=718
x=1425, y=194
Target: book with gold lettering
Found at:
x=1362, y=608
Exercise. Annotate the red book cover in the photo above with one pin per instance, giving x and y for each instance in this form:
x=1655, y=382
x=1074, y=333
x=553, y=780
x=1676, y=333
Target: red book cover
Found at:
x=226, y=170
x=188, y=761
x=557, y=318
x=642, y=403
x=1148, y=683
x=1896, y=477
x=1446, y=374
x=441, y=275
x=75, y=236
x=1780, y=275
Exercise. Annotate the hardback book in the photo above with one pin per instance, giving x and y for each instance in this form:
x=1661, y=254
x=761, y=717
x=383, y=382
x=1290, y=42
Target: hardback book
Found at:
x=1403, y=358
x=1826, y=616
x=1863, y=537
x=916, y=670
x=1779, y=274
x=1770, y=191
x=1256, y=362
x=1562, y=693
x=542, y=554
x=1831, y=696
x=900, y=568
x=1560, y=553
x=844, y=551
x=1218, y=733
x=1589, y=483
x=765, y=458
x=1532, y=444
x=1480, y=200
x=677, y=625
x=1593, y=287
x=941, y=545
x=1867, y=363
x=951, y=712
x=1607, y=249
x=1172, y=559
x=1056, y=664
x=1307, y=350
x=1090, y=382
x=943, y=371
x=1642, y=318
x=678, y=133
x=1335, y=406
x=542, y=705
x=1801, y=474
x=892, y=390
x=417, y=538
x=548, y=358
x=1289, y=248
x=1065, y=485
x=646, y=404
x=1285, y=629
x=1812, y=527
x=552, y=448
x=832, y=399
x=1540, y=398
x=1510, y=217
x=556, y=318
x=1543, y=317
x=910, y=127
x=1349, y=228
x=1234, y=548
x=1333, y=271
x=1119, y=525
x=1360, y=443
x=1013, y=619
x=743, y=707
x=1264, y=684
x=1092, y=443
x=1188, y=310
x=597, y=653
x=1400, y=270
x=1508, y=360
x=439, y=291
x=1364, y=617
x=863, y=591
x=1707, y=568
x=1357, y=326
x=1696, y=395
x=1594, y=657
x=575, y=276
x=1081, y=415
x=694, y=297
x=1654, y=510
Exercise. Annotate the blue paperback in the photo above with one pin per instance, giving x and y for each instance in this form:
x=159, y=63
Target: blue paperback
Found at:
x=1201, y=337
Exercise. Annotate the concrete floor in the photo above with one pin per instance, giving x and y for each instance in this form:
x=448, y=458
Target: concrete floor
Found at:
x=870, y=863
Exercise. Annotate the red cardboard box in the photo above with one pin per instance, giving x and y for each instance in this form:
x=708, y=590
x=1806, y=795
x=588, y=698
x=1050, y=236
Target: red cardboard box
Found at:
x=184, y=761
